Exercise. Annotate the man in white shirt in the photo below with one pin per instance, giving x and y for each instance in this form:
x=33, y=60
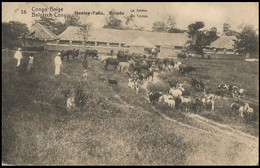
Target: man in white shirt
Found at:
x=18, y=55
x=58, y=63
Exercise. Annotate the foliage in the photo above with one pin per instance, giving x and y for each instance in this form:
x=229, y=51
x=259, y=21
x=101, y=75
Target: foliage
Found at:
x=72, y=20
x=84, y=32
x=112, y=22
x=247, y=41
x=166, y=25
x=200, y=39
x=54, y=26
x=12, y=33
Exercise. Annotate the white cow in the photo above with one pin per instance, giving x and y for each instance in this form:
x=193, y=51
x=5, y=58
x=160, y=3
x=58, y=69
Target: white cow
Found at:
x=165, y=97
x=170, y=103
x=177, y=66
x=175, y=92
x=249, y=110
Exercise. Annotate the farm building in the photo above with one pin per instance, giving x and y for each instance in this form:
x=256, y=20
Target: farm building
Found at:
x=139, y=44
x=105, y=40
x=223, y=47
x=39, y=36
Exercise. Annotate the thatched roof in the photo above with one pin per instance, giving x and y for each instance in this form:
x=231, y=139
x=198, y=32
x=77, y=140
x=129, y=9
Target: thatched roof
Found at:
x=140, y=41
x=124, y=36
x=42, y=32
x=224, y=42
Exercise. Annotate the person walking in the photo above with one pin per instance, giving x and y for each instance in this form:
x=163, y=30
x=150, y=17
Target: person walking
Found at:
x=18, y=55
x=58, y=63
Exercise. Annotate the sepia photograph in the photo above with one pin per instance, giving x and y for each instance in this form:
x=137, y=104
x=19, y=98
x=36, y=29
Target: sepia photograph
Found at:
x=130, y=83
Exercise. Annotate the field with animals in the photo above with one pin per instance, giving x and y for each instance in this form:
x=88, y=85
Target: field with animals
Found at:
x=118, y=125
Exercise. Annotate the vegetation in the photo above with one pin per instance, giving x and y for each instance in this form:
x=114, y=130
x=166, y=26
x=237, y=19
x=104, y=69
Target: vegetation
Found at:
x=247, y=41
x=13, y=34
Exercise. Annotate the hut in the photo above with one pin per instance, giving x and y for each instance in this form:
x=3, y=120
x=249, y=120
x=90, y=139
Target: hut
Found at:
x=39, y=36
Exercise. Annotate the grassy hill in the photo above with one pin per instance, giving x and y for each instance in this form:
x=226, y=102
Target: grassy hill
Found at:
x=116, y=127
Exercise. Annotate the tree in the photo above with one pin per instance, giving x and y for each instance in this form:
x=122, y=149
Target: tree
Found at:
x=197, y=42
x=247, y=41
x=159, y=27
x=211, y=36
x=72, y=20
x=166, y=25
x=84, y=32
x=54, y=26
x=13, y=33
x=112, y=22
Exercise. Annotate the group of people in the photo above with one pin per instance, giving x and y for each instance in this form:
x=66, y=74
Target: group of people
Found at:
x=18, y=55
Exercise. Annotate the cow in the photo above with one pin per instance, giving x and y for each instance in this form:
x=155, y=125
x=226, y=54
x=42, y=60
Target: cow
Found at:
x=198, y=85
x=165, y=97
x=111, y=61
x=177, y=66
x=122, y=56
x=249, y=110
x=124, y=66
x=112, y=82
x=186, y=69
x=67, y=53
x=175, y=92
x=154, y=97
x=148, y=74
x=197, y=104
x=186, y=102
x=91, y=53
x=177, y=102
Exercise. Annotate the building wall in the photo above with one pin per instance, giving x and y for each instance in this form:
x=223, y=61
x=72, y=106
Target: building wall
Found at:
x=225, y=56
x=136, y=49
x=100, y=49
x=169, y=52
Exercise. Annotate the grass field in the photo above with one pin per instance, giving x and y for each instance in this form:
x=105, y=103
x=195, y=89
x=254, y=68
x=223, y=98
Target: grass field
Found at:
x=117, y=126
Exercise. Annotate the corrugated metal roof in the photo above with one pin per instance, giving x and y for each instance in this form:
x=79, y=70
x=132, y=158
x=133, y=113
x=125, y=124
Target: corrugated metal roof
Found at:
x=224, y=42
x=124, y=36
x=43, y=32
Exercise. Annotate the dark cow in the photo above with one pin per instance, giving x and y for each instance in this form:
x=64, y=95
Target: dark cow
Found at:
x=91, y=53
x=173, y=84
x=111, y=61
x=112, y=82
x=197, y=105
x=186, y=69
x=154, y=97
x=178, y=102
x=148, y=74
x=181, y=55
x=198, y=85
x=122, y=56
x=67, y=53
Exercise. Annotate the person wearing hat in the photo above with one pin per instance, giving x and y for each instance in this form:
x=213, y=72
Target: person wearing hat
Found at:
x=18, y=55
x=58, y=63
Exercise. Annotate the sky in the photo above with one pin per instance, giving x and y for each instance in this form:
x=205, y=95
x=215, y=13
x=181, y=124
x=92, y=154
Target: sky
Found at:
x=185, y=13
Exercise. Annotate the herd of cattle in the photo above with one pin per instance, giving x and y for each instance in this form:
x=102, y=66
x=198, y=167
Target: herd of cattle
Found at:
x=140, y=68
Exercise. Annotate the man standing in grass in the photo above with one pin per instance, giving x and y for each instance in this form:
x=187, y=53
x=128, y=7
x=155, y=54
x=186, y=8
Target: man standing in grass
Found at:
x=58, y=63
x=18, y=55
